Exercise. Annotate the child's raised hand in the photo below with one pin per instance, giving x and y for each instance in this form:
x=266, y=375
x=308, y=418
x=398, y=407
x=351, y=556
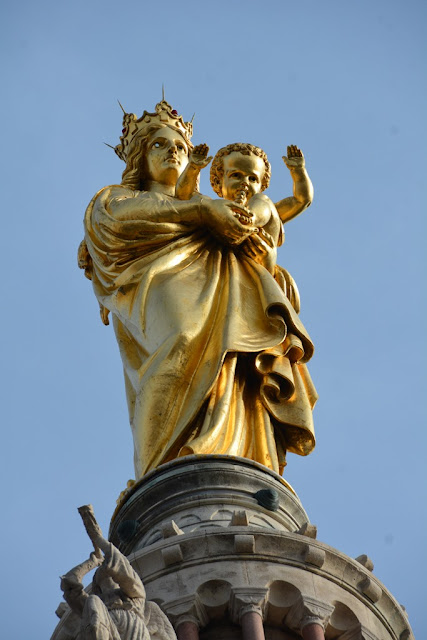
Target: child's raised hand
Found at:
x=199, y=156
x=295, y=157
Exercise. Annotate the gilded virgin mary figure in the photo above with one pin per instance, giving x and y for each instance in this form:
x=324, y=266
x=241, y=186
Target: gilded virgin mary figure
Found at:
x=213, y=349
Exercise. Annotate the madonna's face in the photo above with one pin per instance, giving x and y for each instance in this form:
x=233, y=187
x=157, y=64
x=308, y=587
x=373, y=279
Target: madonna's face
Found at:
x=167, y=156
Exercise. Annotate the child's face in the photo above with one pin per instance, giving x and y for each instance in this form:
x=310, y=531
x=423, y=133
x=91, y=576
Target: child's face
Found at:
x=242, y=172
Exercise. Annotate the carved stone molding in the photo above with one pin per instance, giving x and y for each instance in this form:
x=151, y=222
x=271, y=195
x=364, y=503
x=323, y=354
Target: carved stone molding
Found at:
x=358, y=633
x=172, y=555
x=239, y=519
x=213, y=491
x=315, y=556
x=309, y=530
x=170, y=529
x=308, y=610
x=187, y=609
x=247, y=599
x=186, y=617
x=244, y=543
x=365, y=561
x=370, y=589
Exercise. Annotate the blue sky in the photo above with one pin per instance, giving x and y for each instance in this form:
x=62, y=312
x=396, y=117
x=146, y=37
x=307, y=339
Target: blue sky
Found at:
x=344, y=81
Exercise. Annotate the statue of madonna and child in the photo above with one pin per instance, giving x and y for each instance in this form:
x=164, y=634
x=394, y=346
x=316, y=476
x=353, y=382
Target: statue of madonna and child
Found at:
x=214, y=352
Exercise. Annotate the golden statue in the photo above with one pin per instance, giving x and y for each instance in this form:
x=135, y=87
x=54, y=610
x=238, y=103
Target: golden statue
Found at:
x=207, y=324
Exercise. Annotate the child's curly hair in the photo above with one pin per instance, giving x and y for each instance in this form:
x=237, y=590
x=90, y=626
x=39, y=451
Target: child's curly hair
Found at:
x=217, y=168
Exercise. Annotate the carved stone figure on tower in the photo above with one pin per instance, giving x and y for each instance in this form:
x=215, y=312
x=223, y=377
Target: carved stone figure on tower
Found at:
x=116, y=608
x=212, y=346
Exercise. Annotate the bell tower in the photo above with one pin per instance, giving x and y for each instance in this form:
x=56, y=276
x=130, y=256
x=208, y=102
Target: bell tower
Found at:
x=226, y=549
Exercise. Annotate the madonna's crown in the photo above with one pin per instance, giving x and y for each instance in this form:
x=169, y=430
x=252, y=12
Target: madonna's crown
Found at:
x=164, y=115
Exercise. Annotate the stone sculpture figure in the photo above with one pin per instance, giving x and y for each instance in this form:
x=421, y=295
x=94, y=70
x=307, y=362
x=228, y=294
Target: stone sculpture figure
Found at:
x=116, y=608
x=212, y=346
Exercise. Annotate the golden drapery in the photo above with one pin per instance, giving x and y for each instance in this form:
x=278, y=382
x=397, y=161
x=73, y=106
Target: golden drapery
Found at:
x=213, y=352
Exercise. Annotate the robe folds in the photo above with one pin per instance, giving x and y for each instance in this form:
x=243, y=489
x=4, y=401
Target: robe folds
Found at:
x=213, y=351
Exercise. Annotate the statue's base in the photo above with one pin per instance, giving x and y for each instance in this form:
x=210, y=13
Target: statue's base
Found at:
x=224, y=546
x=204, y=493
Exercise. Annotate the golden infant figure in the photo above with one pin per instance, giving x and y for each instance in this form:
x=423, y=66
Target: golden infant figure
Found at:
x=239, y=173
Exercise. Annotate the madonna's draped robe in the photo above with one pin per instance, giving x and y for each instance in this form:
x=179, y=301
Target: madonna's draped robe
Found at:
x=213, y=352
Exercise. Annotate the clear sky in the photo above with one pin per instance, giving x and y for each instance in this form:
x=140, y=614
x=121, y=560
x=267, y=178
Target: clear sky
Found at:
x=344, y=81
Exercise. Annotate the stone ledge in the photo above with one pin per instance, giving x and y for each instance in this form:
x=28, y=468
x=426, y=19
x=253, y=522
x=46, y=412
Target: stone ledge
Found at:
x=211, y=555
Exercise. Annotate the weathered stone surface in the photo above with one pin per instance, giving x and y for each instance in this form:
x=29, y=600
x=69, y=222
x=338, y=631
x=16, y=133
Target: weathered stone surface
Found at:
x=365, y=561
x=201, y=576
x=170, y=529
x=371, y=589
x=308, y=610
x=314, y=555
x=172, y=554
x=244, y=543
x=239, y=519
x=204, y=492
x=246, y=600
x=309, y=530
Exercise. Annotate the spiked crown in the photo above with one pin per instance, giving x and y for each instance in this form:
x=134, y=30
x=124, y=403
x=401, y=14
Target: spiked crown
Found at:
x=163, y=115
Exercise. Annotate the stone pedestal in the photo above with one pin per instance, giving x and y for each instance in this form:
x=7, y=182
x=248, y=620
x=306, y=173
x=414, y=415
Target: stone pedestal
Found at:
x=204, y=493
x=225, y=547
